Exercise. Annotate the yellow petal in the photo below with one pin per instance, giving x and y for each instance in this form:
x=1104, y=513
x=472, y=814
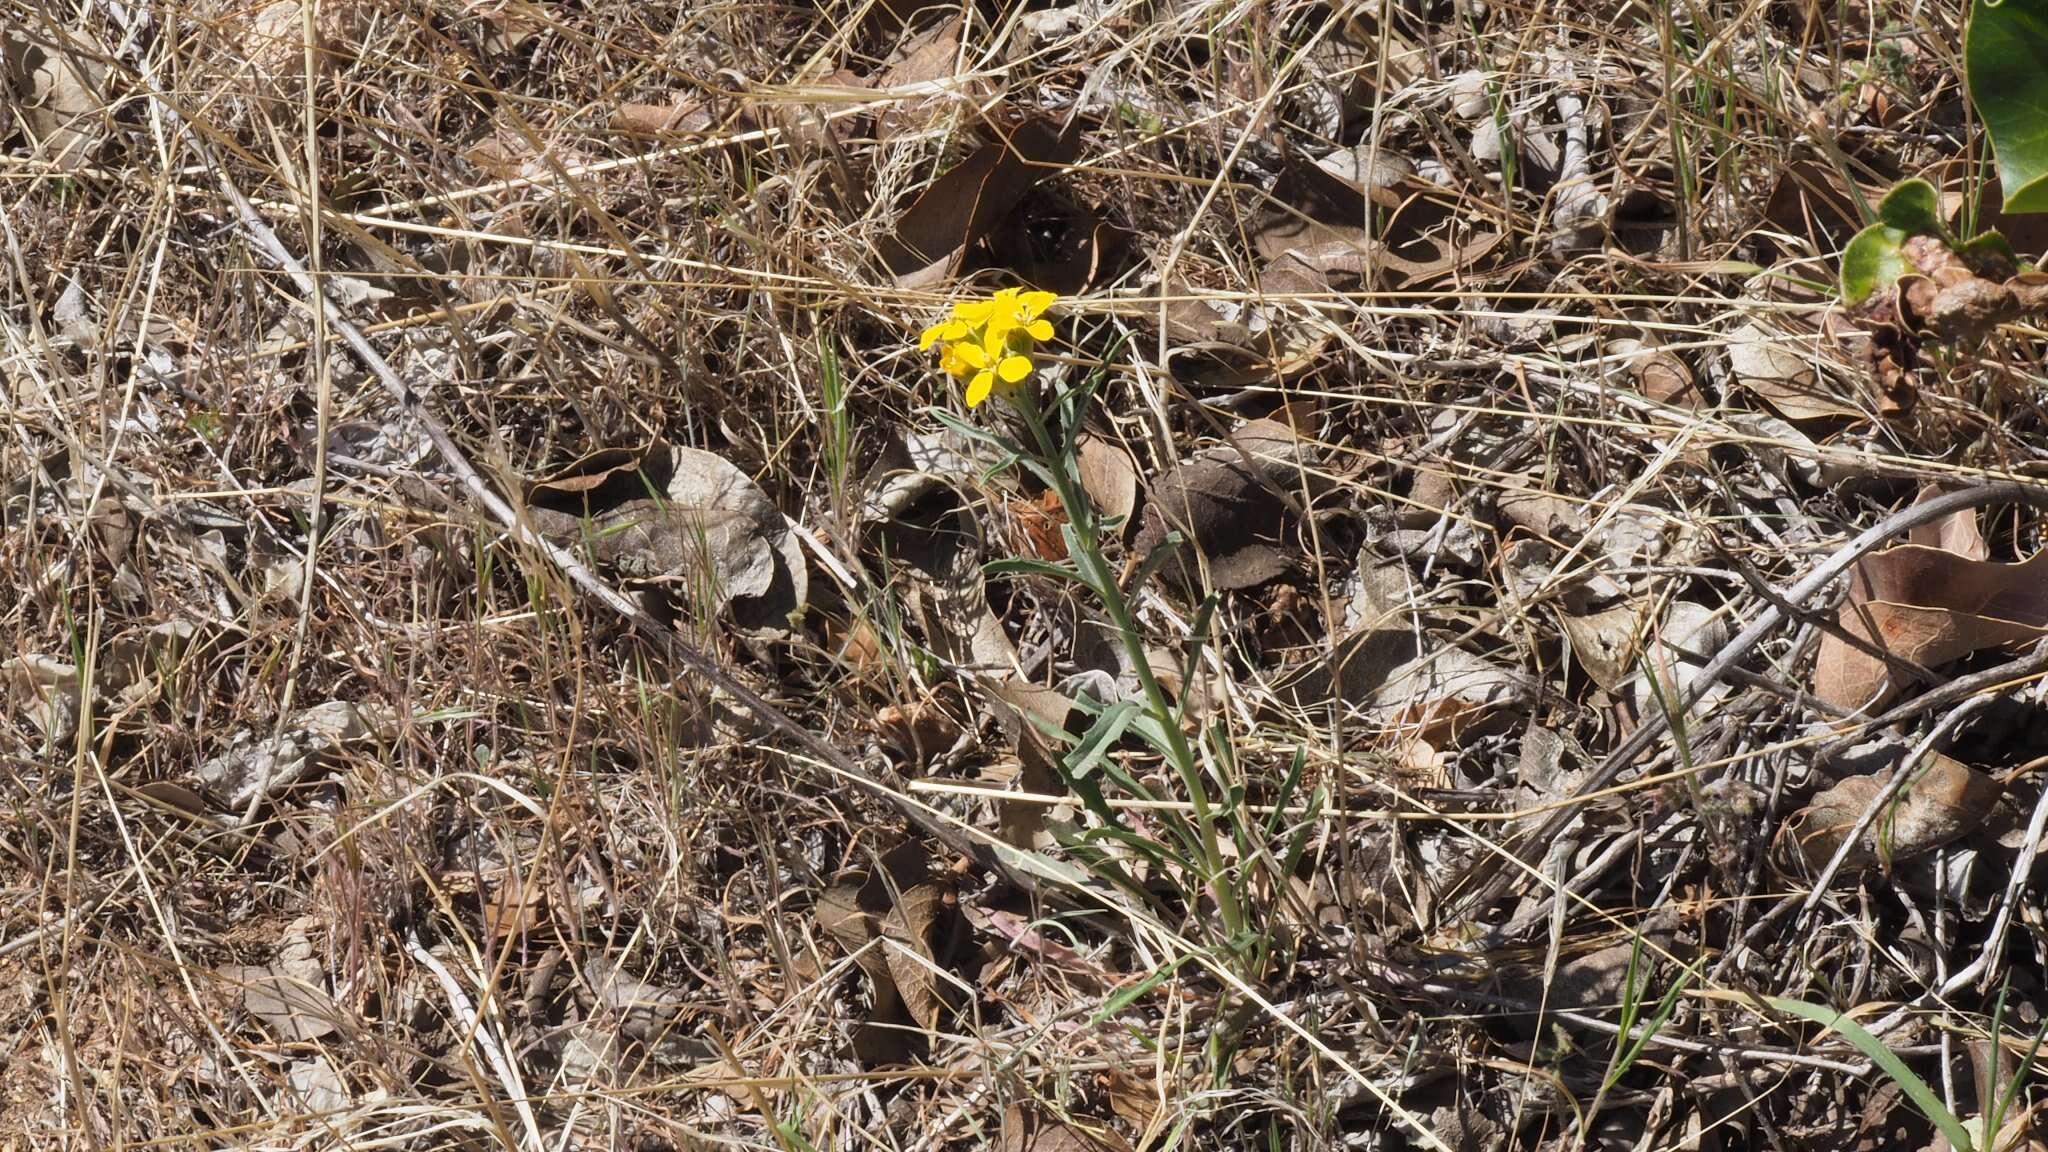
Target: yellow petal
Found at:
x=971, y=353
x=1039, y=329
x=1034, y=304
x=973, y=312
x=978, y=388
x=930, y=336
x=1014, y=368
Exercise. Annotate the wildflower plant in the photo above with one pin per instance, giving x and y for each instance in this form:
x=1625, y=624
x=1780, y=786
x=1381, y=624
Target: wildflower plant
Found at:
x=990, y=346
x=988, y=343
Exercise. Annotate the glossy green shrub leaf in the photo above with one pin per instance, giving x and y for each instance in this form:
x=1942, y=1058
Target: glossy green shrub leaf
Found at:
x=1988, y=247
x=2005, y=61
x=1913, y=206
x=1875, y=259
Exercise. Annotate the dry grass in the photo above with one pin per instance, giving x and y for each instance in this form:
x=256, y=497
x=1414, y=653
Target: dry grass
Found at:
x=546, y=887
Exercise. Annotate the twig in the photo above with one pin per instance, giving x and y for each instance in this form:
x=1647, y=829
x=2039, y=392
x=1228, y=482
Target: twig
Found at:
x=471, y=1024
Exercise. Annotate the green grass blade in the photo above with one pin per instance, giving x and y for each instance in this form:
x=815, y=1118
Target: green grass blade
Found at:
x=1888, y=1061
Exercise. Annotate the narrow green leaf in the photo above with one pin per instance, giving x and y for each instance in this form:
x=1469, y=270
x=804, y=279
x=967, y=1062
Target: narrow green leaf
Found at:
x=1101, y=736
x=1028, y=566
x=1285, y=794
x=1124, y=998
x=1888, y=1061
x=2005, y=61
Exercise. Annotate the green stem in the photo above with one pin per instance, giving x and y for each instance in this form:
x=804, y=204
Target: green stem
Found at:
x=1094, y=570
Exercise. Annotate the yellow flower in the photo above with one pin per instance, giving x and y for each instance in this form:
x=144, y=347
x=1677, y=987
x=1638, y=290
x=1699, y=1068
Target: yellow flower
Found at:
x=974, y=313
x=988, y=343
x=953, y=363
x=1022, y=312
x=989, y=366
x=943, y=330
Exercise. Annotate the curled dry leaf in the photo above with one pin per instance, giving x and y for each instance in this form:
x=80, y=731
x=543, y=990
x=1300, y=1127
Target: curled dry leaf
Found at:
x=289, y=994
x=1604, y=640
x=1357, y=215
x=1435, y=696
x=1108, y=476
x=1028, y=1131
x=1928, y=605
x=971, y=198
x=1693, y=627
x=904, y=929
x=1946, y=801
x=47, y=691
x=1026, y=712
x=1956, y=532
x=712, y=531
x=1420, y=235
x=57, y=88
x=1783, y=374
x=686, y=115
x=274, y=40
x=509, y=154
x=1660, y=374
x=912, y=74
x=258, y=765
x=1231, y=505
x=1447, y=695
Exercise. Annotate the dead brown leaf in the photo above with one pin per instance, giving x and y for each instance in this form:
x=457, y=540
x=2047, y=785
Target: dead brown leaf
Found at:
x=1957, y=532
x=1231, y=505
x=1928, y=605
x=1780, y=372
x=1026, y=712
x=517, y=905
x=1447, y=695
x=973, y=197
x=1605, y=641
x=289, y=994
x=923, y=926
x=711, y=532
x=924, y=58
x=1026, y=1130
x=1356, y=216
x=686, y=115
x=57, y=87
x=1661, y=375
x=1946, y=801
x=1059, y=245
x=1108, y=475
x=1371, y=204
x=904, y=927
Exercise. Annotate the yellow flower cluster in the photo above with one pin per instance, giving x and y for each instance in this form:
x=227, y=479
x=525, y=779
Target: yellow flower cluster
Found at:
x=988, y=343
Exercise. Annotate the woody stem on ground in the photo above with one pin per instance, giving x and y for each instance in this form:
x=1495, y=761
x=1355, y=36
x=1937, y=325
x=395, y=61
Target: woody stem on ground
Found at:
x=1095, y=572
